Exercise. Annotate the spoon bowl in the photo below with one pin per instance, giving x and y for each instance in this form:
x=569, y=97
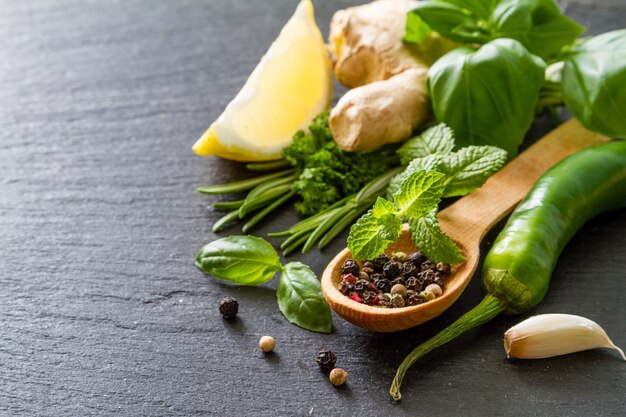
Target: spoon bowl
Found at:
x=379, y=319
x=465, y=222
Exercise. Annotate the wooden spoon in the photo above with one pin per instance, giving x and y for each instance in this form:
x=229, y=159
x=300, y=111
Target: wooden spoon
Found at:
x=466, y=222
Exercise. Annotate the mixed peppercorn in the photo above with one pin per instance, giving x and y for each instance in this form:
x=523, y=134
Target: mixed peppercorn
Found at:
x=399, y=281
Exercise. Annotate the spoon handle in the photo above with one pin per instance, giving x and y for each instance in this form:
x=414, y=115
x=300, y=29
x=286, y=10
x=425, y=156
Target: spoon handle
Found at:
x=468, y=219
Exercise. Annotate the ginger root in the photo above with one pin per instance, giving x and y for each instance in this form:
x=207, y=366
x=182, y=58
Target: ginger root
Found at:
x=366, y=42
x=385, y=105
x=382, y=112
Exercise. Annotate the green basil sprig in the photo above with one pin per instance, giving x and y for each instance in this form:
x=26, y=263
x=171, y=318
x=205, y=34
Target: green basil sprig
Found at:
x=539, y=25
x=249, y=260
x=487, y=95
x=594, y=83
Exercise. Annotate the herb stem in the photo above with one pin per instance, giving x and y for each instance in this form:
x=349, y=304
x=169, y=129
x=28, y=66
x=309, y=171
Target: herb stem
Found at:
x=228, y=205
x=243, y=185
x=267, y=210
x=333, y=218
x=295, y=245
x=268, y=166
x=263, y=200
x=346, y=221
x=488, y=308
x=226, y=220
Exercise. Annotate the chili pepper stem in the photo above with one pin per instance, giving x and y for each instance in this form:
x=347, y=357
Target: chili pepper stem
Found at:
x=488, y=308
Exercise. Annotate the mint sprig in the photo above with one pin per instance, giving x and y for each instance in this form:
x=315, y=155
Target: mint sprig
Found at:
x=434, y=172
x=418, y=197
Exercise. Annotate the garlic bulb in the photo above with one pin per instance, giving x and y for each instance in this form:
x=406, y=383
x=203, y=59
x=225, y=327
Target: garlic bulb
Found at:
x=549, y=335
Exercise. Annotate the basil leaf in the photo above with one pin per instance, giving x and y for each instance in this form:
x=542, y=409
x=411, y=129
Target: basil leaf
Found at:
x=420, y=193
x=436, y=139
x=594, y=83
x=416, y=30
x=245, y=260
x=487, y=96
x=539, y=25
x=470, y=167
x=453, y=21
x=300, y=299
x=370, y=236
x=432, y=242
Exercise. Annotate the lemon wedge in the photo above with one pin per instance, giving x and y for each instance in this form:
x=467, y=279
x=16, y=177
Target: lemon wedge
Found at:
x=288, y=88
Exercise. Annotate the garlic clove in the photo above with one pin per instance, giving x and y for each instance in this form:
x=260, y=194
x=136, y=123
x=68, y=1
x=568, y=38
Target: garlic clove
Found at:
x=548, y=335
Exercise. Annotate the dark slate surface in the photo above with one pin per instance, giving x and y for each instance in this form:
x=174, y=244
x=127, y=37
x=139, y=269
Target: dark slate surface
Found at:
x=102, y=311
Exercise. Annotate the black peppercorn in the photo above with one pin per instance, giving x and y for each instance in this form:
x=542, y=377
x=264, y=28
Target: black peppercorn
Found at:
x=429, y=266
x=229, y=307
x=391, y=269
x=361, y=286
x=345, y=288
x=383, y=285
x=369, y=297
x=376, y=277
x=381, y=260
x=350, y=267
x=428, y=276
x=413, y=298
x=326, y=360
x=438, y=280
x=398, y=280
x=417, y=259
x=408, y=269
x=414, y=283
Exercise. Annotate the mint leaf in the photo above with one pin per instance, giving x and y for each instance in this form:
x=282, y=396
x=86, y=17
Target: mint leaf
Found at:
x=436, y=139
x=470, y=167
x=420, y=193
x=432, y=242
x=245, y=260
x=383, y=207
x=370, y=236
x=300, y=298
x=427, y=163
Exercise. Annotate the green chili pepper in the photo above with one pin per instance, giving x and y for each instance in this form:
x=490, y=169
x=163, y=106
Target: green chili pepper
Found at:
x=517, y=269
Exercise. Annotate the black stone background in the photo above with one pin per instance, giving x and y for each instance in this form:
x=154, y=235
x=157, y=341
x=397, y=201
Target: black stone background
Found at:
x=102, y=310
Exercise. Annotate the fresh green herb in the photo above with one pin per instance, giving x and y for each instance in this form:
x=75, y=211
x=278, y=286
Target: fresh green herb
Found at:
x=594, y=76
x=369, y=236
x=539, y=25
x=420, y=193
x=435, y=172
x=465, y=170
x=245, y=260
x=320, y=174
x=487, y=95
x=326, y=225
x=418, y=198
x=249, y=260
x=300, y=301
x=428, y=236
x=434, y=140
x=328, y=173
